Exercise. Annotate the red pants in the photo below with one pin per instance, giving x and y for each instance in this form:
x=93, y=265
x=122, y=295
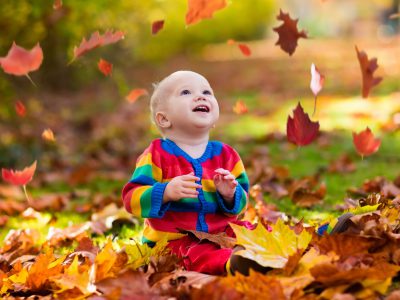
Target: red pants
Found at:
x=204, y=256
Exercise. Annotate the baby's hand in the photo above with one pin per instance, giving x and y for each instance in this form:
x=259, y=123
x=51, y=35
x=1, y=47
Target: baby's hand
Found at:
x=225, y=183
x=181, y=187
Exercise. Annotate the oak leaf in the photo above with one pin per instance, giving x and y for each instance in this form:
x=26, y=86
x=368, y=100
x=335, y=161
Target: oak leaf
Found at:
x=19, y=177
x=365, y=142
x=97, y=40
x=270, y=249
x=316, y=84
x=20, y=61
x=368, y=67
x=156, y=26
x=202, y=9
x=135, y=94
x=20, y=108
x=288, y=33
x=300, y=129
x=105, y=67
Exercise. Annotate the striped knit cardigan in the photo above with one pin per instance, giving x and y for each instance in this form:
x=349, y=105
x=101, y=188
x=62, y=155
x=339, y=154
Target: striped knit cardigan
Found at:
x=164, y=160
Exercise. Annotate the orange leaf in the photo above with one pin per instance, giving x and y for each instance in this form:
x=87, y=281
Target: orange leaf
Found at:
x=368, y=67
x=288, y=33
x=245, y=49
x=300, y=129
x=365, y=142
x=135, y=94
x=57, y=4
x=48, y=135
x=240, y=108
x=20, y=108
x=105, y=67
x=20, y=61
x=19, y=177
x=202, y=9
x=157, y=26
x=97, y=40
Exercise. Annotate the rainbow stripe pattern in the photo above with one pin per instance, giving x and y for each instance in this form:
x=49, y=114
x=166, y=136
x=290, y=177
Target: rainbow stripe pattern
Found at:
x=163, y=160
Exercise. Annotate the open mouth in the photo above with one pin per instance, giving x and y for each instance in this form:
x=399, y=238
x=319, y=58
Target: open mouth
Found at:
x=202, y=108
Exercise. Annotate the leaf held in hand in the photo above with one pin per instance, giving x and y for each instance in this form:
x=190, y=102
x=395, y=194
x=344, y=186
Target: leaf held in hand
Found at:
x=300, y=129
x=365, y=142
x=288, y=33
x=19, y=177
x=368, y=67
x=202, y=9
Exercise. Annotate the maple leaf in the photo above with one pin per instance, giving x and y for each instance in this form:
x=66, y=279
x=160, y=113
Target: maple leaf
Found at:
x=240, y=108
x=20, y=108
x=317, y=81
x=135, y=94
x=20, y=61
x=270, y=249
x=368, y=67
x=202, y=9
x=48, y=135
x=288, y=33
x=300, y=129
x=221, y=238
x=105, y=67
x=365, y=142
x=19, y=177
x=97, y=40
x=156, y=26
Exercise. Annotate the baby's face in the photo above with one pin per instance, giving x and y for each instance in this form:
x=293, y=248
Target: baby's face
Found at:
x=190, y=104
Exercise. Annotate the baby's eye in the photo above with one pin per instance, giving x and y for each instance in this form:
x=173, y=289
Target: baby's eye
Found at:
x=207, y=92
x=185, y=92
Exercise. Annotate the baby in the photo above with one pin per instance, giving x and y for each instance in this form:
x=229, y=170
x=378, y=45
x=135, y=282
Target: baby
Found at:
x=184, y=180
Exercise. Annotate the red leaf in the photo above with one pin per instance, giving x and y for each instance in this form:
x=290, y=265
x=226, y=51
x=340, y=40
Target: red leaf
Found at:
x=288, y=33
x=157, y=26
x=19, y=177
x=368, y=67
x=245, y=49
x=105, y=67
x=316, y=84
x=20, y=61
x=365, y=142
x=97, y=40
x=202, y=9
x=301, y=130
x=135, y=94
x=20, y=108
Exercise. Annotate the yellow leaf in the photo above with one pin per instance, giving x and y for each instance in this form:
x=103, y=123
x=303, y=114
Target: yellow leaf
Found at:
x=270, y=249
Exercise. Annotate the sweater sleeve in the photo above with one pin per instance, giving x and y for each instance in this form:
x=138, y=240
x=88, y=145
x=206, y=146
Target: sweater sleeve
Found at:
x=235, y=165
x=143, y=194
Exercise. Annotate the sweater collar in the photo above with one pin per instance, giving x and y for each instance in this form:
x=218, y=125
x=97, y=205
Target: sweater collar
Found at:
x=178, y=150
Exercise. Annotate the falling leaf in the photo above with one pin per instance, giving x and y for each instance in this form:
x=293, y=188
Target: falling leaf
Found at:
x=97, y=40
x=202, y=9
x=368, y=67
x=240, y=108
x=288, y=33
x=20, y=61
x=300, y=129
x=19, y=177
x=48, y=135
x=365, y=142
x=57, y=4
x=20, y=108
x=245, y=49
x=394, y=16
x=135, y=94
x=156, y=26
x=270, y=249
x=317, y=81
x=105, y=67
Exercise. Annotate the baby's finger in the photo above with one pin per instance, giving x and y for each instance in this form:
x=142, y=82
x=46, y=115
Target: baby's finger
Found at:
x=229, y=177
x=190, y=177
x=191, y=184
x=189, y=193
x=222, y=171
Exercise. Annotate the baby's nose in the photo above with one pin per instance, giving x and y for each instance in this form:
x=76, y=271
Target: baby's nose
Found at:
x=201, y=97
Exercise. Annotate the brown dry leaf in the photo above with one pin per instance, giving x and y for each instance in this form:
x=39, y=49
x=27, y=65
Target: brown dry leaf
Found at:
x=53, y=202
x=288, y=33
x=302, y=194
x=344, y=164
x=12, y=207
x=216, y=290
x=18, y=243
x=221, y=238
x=368, y=67
x=57, y=236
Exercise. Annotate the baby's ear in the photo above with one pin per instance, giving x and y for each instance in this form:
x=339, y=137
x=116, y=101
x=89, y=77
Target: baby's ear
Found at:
x=162, y=120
